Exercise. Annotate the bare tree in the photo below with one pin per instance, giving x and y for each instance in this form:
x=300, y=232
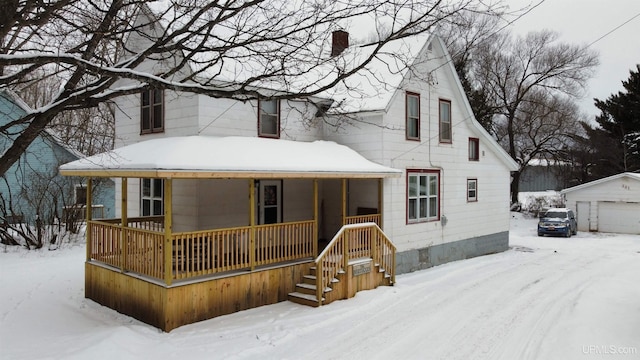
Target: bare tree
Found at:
x=89, y=130
x=463, y=35
x=530, y=84
x=227, y=49
x=543, y=130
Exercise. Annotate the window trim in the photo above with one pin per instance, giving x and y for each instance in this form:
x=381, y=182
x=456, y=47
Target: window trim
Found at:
x=151, y=197
x=419, y=173
x=267, y=135
x=150, y=106
x=469, y=197
x=440, y=122
x=409, y=95
x=474, y=143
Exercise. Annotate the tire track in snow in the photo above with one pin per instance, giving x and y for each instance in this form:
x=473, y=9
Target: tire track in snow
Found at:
x=419, y=302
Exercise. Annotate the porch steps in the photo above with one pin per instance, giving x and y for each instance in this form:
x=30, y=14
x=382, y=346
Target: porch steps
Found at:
x=304, y=299
x=305, y=293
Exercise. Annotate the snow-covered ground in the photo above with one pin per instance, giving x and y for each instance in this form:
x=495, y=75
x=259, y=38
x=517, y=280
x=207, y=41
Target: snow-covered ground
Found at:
x=545, y=298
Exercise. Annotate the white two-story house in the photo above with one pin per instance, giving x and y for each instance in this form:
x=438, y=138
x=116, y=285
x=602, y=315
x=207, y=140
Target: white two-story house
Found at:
x=224, y=205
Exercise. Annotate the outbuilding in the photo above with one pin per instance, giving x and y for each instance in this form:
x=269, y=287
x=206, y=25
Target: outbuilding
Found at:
x=610, y=204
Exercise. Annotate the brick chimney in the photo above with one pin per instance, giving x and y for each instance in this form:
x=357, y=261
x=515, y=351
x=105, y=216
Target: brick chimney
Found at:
x=340, y=41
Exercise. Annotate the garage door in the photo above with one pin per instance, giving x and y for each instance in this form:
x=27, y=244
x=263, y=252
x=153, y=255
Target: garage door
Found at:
x=619, y=217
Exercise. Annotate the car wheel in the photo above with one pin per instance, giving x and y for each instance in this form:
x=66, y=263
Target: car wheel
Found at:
x=540, y=234
x=568, y=233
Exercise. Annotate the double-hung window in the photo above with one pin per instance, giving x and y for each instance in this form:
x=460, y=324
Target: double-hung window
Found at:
x=472, y=190
x=413, y=116
x=445, y=121
x=152, y=111
x=423, y=195
x=474, y=149
x=269, y=118
x=151, y=197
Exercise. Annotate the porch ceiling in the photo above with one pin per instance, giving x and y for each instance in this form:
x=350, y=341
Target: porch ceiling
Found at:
x=229, y=157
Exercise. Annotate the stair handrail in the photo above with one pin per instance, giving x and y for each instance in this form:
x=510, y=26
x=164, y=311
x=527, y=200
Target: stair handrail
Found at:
x=382, y=253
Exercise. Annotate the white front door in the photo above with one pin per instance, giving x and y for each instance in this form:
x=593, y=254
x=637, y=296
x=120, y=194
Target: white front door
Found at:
x=269, y=202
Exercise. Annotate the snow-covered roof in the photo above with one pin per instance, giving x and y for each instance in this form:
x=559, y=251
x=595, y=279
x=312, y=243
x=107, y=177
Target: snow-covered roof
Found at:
x=229, y=157
x=546, y=162
x=634, y=176
x=372, y=87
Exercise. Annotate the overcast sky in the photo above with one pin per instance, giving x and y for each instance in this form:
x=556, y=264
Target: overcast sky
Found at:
x=585, y=21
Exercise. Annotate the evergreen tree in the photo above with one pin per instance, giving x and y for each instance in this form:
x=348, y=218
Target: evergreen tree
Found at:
x=619, y=122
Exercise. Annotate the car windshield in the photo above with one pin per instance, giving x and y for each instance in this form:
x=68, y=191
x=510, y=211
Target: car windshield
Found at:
x=555, y=214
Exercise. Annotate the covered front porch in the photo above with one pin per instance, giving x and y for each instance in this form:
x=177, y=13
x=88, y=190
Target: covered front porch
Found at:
x=171, y=270
x=198, y=253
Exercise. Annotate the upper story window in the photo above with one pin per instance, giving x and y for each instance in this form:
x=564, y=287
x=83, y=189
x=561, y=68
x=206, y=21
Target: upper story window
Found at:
x=269, y=118
x=151, y=197
x=474, y=149
x=423, y=195
x=152, y=111
x=413, y=116
x=445, y=121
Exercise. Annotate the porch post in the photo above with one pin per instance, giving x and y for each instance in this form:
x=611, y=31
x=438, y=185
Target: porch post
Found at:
x=168, y=243
x=124, y=222
x=88, y=214
x=252, y=224
x=315, y=217
x=344, y=202
x=347, y=233
x=380, y=202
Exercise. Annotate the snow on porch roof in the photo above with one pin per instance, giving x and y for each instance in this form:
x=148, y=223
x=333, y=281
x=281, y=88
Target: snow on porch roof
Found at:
x=229, y=157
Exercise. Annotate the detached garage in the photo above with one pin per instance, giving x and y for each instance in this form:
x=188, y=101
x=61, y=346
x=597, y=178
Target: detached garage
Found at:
x=611, y=204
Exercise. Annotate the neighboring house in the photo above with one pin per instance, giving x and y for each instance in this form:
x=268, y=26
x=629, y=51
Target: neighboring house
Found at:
x=32, y=186
x=542, y=175
x=611, y=204
x=228, y=205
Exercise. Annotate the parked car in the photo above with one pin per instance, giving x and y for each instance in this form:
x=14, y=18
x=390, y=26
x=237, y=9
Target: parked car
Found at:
x=558, y=221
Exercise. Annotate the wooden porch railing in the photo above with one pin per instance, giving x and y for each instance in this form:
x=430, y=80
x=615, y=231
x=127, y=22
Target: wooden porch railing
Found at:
x=142, y=248
x=105, y=243
x=151, y=223
x=359, y=219
x=284, y=242
x=354, y=241
x=210, y=251
x=200, y=252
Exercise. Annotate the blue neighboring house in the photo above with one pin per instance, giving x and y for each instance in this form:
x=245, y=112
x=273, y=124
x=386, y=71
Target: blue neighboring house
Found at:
x=32, y=186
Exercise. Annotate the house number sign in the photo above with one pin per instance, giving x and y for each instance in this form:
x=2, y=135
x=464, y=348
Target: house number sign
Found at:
x=360, y=269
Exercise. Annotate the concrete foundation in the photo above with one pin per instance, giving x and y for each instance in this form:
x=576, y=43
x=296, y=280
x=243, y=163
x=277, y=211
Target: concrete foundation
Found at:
x=418, y=259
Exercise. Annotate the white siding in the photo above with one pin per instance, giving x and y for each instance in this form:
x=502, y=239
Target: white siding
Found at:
x=386, y=143
x=618, y=190
x=225, y=117
x=378, y=136
x=180, y=118
x=222, y=203
x=297, y=204
x=185, y=214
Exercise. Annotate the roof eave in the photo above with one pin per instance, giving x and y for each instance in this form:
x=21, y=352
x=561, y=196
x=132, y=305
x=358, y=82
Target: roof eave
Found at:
x=601, y=181
x=220, y=174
